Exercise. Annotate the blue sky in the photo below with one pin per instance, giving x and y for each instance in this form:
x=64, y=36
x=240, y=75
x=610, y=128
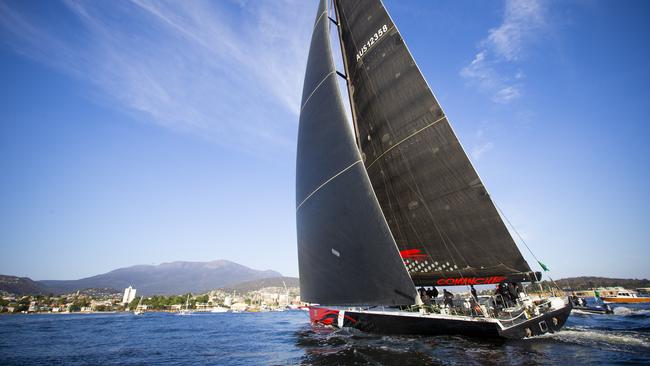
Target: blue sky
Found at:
x=140, y=132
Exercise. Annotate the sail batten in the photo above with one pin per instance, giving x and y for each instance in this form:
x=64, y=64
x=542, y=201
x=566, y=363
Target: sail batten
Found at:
x=431, y=195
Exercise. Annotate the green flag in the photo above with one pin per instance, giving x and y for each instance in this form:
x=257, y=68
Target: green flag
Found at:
x=543, y=266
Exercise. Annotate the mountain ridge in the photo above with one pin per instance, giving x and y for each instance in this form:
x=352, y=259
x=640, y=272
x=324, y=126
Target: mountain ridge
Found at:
x=585, y=282
x=166, y=278
x=21, y=285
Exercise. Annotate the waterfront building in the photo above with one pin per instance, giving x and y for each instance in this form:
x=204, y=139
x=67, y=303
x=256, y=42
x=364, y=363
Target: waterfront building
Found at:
x=129, y=295
x=94, y=304
x=239, y=306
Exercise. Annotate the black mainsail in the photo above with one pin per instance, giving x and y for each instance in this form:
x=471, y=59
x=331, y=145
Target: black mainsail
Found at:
x=347, y=255
x=440, y=214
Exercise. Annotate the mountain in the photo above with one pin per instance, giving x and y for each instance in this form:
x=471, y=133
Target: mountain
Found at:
x=22, y=286
x=167, y=278
x=255, y=285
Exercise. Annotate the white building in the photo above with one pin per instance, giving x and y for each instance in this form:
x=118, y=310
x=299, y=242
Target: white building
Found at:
x=129, y=295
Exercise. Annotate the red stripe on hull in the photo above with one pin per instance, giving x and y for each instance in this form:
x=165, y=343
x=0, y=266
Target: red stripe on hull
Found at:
x=322, y=315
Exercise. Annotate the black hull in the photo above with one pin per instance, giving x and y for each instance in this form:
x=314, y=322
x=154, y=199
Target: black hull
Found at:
x=395, y=323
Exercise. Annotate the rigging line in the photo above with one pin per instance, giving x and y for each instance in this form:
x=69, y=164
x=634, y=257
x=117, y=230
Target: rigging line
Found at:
x=316, y=88
x=523, y=241
x=406, y=138
x=515, y=230
x=327, y=181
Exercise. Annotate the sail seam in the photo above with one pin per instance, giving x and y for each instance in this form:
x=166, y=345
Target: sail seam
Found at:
x=327, y=181
x=406, y=138
x=318, y=20
x=316, y=88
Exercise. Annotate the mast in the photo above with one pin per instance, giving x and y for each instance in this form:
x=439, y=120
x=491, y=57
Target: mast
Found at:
x=347, y=79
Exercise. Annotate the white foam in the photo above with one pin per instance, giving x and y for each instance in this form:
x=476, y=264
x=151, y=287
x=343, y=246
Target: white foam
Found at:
x=601, y=337
x=581, y=312
x=622, y=310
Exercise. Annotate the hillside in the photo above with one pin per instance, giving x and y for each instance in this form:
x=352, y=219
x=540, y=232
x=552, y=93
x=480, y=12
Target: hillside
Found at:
x=587, y=282
x=166, y=278
x=262, y=283
x=21, y=286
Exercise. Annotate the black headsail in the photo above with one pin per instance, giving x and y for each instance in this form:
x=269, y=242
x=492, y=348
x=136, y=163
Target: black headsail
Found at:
x=346, y=253
x=440, y=214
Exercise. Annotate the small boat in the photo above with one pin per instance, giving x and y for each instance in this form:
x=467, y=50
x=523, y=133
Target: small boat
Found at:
x=605, y=309
x=580, y=306
x=391, y=201
x=187, y=310
x=138, y=310
x=626, y=297
x=219, y=309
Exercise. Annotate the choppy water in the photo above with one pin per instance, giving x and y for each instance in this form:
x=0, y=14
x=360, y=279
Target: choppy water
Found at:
x=280, y=338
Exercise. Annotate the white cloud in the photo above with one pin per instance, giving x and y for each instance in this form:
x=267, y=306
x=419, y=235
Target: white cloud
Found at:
x=479, y=151
x=522, y=18
x=228, y=72
x=506, y=94
x=505, y=45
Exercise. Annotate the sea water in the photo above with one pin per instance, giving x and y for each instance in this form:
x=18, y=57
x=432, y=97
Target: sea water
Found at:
x=286, y=338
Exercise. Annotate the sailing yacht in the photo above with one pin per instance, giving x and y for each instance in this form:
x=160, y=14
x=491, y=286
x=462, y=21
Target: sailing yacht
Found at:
x=393, y=202
x=187, y=310
x=138, y=310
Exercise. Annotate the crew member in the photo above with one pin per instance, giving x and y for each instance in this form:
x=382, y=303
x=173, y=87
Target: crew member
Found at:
x=474, y=306
x=448, y=298
x=512, y=293
x=519, y=288
x=423, y=296
x=502, y=291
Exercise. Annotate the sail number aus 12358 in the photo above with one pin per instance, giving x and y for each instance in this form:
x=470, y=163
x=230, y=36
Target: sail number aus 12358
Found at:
x=374, y=38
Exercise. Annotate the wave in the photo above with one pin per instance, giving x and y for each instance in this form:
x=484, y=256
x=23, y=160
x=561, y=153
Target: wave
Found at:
x=625, y=311
x=591, y=337
x=581, y=312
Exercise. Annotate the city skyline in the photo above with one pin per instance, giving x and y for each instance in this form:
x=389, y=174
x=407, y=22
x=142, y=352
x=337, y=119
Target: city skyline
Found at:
x=141, y=133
